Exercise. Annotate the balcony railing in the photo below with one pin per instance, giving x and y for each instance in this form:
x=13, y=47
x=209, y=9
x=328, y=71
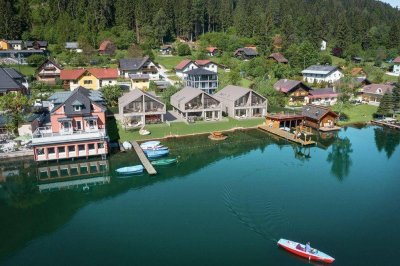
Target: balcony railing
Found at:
x=43, y=135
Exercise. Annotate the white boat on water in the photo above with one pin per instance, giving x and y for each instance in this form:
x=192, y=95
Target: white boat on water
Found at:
x=130, y=169
x=150, y=144
x=127, y=145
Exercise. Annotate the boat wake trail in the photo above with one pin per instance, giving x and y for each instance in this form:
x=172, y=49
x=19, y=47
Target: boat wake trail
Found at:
x=261, y=216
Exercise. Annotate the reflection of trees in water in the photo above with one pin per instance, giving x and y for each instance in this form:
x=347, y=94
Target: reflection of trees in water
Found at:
x=302, y=153
x=340, y=157
x=386, y=139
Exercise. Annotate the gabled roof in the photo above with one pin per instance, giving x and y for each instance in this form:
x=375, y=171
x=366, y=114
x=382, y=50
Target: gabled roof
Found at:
x=211, y=49
x=356, y=71
x=41, y=43
x=325, y=92
x=15, y=41
x=247, y=51
x=202, y=62
x=232, y=93
x=49, y=61
x=135, y=94
x=9, y=79
x=62, y=96
x=100, y=73
x=316, y=112
x=166, y=47
x=278, y=57
x=80, y=96
x=183, y=64
x=286, y=85
x=132, y=63
x=378, y=89
x=200, y=71
x=104, y=44
x=397, y=60
x=185, y=95
x=319, y=69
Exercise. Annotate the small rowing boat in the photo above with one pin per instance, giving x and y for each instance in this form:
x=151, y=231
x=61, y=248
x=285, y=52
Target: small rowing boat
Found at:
x=135, y=169
x=127, y=145
x=300, y=250
x=152, y=154
x=166, y=161
x=149, y=144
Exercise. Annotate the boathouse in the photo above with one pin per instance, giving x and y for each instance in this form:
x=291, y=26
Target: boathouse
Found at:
x=320, y=117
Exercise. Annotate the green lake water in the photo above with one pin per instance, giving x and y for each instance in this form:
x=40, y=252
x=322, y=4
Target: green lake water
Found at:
x=224, y=203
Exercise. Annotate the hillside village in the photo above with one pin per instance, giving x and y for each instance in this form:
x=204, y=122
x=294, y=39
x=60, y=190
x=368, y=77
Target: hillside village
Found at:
x=51, y=92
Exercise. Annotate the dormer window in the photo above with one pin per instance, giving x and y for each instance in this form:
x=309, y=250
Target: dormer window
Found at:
x=379, y=90
x=77, y=108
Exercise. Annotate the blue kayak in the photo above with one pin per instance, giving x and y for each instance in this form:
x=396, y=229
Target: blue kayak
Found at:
x=156, y=153
x=130, y=170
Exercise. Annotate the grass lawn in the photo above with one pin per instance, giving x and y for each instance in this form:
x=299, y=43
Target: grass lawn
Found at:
x=357, y=113
x=170, y=61
x=246, y=82
x=26, y=70
x=388, y=78
x=179, y=128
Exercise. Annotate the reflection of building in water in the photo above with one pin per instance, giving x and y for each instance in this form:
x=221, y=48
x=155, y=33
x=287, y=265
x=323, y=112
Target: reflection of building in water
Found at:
x=74, y=175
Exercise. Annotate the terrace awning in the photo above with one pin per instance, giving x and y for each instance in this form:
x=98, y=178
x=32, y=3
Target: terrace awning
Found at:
x=64, y=119
x=94, y=117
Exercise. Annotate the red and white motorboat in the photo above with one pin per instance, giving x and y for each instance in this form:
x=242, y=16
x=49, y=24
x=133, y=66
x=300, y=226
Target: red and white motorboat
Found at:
x=300, y=250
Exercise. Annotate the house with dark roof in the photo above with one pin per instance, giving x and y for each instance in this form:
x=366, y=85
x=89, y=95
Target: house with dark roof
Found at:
x=319, y=117
x=186, y=65
x=36, y=45
x=321, y=73
x=278, y=57
x=194, y=104
x=137, y=107
x=48, y=72
x=201, y=78
x=140, y=65
x=16, y=44
x=295, y=90
x=20, y=56
x=91, y=78
x=12, y=81
x=246, y=53
x=325, y=96
x=107, y=48
x=240, y=102
x=373, y=93
x=166, y=49
x=73, y=47
x=78, y=129
x=396, y=65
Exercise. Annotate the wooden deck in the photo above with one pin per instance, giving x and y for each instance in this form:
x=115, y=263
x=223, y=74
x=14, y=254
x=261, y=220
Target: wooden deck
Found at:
x=385, y=124
x=328, y=129
x=143, y=158
x=286, y=135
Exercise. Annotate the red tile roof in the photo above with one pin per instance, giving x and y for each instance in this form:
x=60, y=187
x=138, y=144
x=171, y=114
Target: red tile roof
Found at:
x=100, y=73
x=182, y=64
x=103, y=45
x=71, y=74
x=202, y=62
x=211, y=49
x=396, y=60
x=104, y=73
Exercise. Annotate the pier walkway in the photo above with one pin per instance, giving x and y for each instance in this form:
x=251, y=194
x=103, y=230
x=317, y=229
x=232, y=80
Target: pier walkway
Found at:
x=145, y=161
x=385, y=124
x=287, y=135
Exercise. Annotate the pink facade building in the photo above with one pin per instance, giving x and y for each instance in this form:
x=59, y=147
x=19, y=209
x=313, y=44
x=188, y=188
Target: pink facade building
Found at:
x=78, y=129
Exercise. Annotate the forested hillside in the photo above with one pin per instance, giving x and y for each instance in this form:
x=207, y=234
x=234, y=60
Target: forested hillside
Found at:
x=369, y=23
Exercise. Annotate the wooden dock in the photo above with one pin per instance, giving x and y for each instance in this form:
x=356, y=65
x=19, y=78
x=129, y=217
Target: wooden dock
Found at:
x=287, y=135
x=385, y=124
x=143, y=158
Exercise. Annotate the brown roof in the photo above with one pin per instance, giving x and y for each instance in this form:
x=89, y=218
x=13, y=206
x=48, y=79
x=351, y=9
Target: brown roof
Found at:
x=325, y=92
x=202, y=62
x=378, y=89
x=355, y=71
x=396, y=60
x=212, y=49
x=100, y=73
x=182, y=64
x=317, y=112
x=278, y=57
x=103, y=45
x=286, y=85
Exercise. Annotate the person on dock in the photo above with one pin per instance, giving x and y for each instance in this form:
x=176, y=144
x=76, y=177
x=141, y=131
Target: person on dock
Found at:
x=308, y=247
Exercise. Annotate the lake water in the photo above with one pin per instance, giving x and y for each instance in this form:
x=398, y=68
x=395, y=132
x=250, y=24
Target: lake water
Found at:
x=224, y=203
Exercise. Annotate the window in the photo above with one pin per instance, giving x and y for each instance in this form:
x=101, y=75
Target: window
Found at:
x=109, y=82
x=87, y=82
x=71, y=148
x=77, y=108
x=91, y=146
x=75, y=82
x=81, y=147
x=61, y=149
x=51, y=150
x=100, y=145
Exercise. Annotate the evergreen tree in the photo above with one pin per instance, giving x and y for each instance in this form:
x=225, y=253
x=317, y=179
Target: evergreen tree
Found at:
x=386, y=105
